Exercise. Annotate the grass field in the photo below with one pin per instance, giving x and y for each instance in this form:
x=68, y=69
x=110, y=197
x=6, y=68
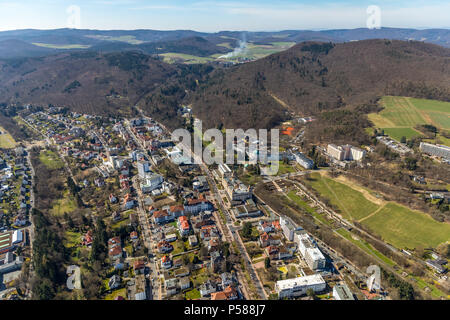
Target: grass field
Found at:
x=194, y=294
x=396, y=224
x=51, y=160
x=398, y=133
x=405, y=228
x=352, y=204
x=401, y=114
x=6, y=140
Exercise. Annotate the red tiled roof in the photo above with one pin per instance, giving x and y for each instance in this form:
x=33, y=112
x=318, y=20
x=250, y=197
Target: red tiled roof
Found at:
x=176, y=208
x=160, y=214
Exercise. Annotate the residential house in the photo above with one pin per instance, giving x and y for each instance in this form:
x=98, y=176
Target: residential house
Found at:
x=229, y=293
x=183, y=226
x=139, y=267
x=166, y=262
x=164, y=247
x=195, y=206
x=207, y=288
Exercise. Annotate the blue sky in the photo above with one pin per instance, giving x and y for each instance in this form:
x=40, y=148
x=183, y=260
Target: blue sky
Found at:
x=210, y=16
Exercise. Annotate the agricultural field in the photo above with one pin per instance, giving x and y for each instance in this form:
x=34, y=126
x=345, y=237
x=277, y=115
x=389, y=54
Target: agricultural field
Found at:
x=61, y=46
x=6, y=140
x=252, y=52
x=401, y=114
x=258, y=51
x=173, y=57
x=126, y=38
x=396, y=224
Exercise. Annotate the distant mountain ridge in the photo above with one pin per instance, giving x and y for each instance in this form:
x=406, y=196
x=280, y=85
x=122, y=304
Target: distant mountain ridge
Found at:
x=144, y=40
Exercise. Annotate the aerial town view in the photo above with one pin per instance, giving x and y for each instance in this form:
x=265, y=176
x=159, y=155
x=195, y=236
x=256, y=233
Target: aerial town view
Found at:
x=303, y=165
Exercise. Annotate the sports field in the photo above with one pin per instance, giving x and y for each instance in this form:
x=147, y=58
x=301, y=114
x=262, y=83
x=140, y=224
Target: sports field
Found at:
x=396, y=224
x=401, y=114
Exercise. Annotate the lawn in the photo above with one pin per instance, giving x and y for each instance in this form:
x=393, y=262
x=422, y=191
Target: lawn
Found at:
x=405, y=228
x=193, y=294
x=396, y=224
x=51, y=160
x=401, y=114
x=6, y=140
x=352, y=204
x=285, y=168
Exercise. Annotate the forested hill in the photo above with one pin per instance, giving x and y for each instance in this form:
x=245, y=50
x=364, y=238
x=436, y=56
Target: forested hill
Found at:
x=307, y=79
x=313, y=77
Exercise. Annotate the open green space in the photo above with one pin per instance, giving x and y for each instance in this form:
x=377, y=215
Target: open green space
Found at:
x=352, y=204
x=396, y=224
x=405, y=228
x=51, y=159
x=66, y=204
x=398, y=133
x=193, y=294
x=6, y=140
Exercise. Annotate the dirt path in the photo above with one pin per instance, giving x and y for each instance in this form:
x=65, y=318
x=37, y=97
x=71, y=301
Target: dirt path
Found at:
x=372, y=214
x=281, y=102
x=344, y=180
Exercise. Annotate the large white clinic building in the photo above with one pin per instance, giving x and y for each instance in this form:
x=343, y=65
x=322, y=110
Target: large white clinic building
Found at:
x=297, y=287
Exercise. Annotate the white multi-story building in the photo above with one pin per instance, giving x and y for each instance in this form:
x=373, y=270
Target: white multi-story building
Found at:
x=297, y=287
x=152, y=181
x=309, y=250
x=346, y=152
x=288, y=228
x=143, y=167
x=335, y=151
x=304, y=161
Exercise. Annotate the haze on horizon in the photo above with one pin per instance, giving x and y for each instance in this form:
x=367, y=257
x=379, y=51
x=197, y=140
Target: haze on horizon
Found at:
x=219, y=15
